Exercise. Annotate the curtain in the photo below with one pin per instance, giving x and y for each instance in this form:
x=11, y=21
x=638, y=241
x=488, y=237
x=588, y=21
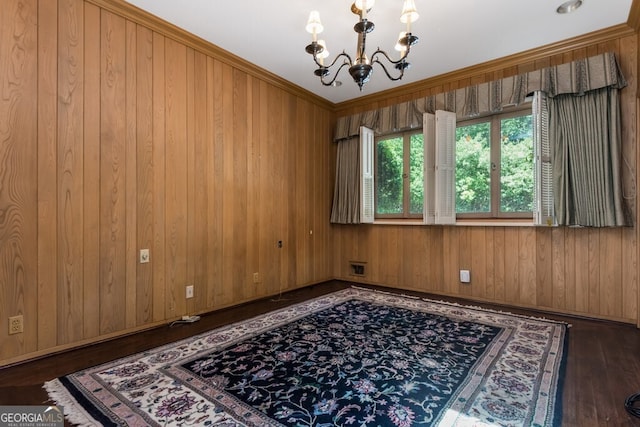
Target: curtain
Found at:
x=564, y=81
x=586, y=141
x=346, y=193
x=576, y=77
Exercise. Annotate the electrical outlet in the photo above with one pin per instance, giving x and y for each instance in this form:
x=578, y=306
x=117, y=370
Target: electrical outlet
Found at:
x=189, y=291
x=144, y=256
x=465, y=276
x=256, y=277
x=16, y=325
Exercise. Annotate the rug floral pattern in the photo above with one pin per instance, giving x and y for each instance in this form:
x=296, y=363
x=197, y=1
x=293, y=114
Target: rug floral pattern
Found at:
x=352, y=358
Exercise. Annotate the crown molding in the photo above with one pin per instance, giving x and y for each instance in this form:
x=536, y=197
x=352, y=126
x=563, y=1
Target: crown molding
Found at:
x=528, y=56
x=633, y=20
x=144, y=18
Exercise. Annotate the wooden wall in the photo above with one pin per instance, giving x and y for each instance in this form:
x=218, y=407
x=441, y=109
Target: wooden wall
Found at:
x=118, y=132
x=115, y=136
x=590, y=272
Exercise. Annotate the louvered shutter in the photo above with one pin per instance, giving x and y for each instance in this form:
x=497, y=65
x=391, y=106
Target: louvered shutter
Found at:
x=429, y=173
x=445, y=168
x=543, y=207
x=367, y=208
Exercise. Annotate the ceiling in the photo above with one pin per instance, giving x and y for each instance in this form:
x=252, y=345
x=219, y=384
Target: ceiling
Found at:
x=453, y=34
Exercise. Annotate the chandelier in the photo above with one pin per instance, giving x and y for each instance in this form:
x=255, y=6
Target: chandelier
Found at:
x=362, y=67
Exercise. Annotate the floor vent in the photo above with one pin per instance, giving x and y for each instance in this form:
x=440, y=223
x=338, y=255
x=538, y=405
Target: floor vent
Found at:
x=357, y=268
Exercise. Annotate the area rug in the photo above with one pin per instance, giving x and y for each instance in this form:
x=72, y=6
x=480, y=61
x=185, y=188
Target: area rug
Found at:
x=356, y=357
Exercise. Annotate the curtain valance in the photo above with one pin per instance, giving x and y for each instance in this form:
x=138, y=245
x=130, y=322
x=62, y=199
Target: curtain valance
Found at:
x=576, y=77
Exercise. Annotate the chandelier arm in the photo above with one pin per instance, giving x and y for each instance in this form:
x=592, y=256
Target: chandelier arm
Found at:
x=348, y=58
x=387, y=72
x=399, y=61
x=335, y=75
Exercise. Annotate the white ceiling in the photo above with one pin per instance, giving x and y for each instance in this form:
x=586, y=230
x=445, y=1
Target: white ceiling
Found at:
x=453, y=34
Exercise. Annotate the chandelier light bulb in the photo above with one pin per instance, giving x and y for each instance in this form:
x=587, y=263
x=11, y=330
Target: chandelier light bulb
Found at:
x=360, y=4
x=409, y=14
x=399, y=46
x=314, y=26
x=325, y=52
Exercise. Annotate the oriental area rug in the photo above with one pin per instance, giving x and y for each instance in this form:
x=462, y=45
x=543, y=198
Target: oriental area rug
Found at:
x=356, y=357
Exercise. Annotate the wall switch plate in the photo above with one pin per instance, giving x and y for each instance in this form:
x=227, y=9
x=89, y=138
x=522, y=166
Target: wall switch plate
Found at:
x=465, y=276
x=189, y=291
x=256, y=278
x=144, y=256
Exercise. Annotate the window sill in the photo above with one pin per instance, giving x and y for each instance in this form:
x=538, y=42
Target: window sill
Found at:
x=398, y=222
x=496, y=222
x=461, y=222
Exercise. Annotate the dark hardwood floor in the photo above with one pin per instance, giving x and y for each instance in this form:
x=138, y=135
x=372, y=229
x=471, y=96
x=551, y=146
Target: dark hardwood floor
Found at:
x=603, y=365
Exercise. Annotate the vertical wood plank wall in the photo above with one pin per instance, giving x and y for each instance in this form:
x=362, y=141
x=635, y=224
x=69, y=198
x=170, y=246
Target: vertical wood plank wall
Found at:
x=115, y=137
x=591, y=272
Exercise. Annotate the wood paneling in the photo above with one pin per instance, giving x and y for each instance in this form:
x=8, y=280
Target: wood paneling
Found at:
x=131, y=173
x=70, y=167
x=113, y=179
x=584, y=272
x=120, y=133
x=144, y=173
x=158, y=250
x=591, y=272
x=175, y=178
x=91, y=179
x=116, y=137
x=47, y=173
x=18, y=143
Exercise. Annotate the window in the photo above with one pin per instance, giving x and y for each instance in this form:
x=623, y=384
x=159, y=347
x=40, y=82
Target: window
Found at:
x=480, y=168
x=399, y=182
x=494, y=166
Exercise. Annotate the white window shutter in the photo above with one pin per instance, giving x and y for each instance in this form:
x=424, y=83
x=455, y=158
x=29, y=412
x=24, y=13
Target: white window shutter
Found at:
x=543, y=206
x=367, y=208
x=445, y=170
x=429, y=173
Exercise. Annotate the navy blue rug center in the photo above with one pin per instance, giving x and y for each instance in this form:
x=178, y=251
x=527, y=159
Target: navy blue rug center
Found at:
x=354, y=363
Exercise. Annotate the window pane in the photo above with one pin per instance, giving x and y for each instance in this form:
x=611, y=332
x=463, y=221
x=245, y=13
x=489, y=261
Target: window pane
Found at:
x=416, y=173
x=389, y=176
x=473, y=168
x=516, y=165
